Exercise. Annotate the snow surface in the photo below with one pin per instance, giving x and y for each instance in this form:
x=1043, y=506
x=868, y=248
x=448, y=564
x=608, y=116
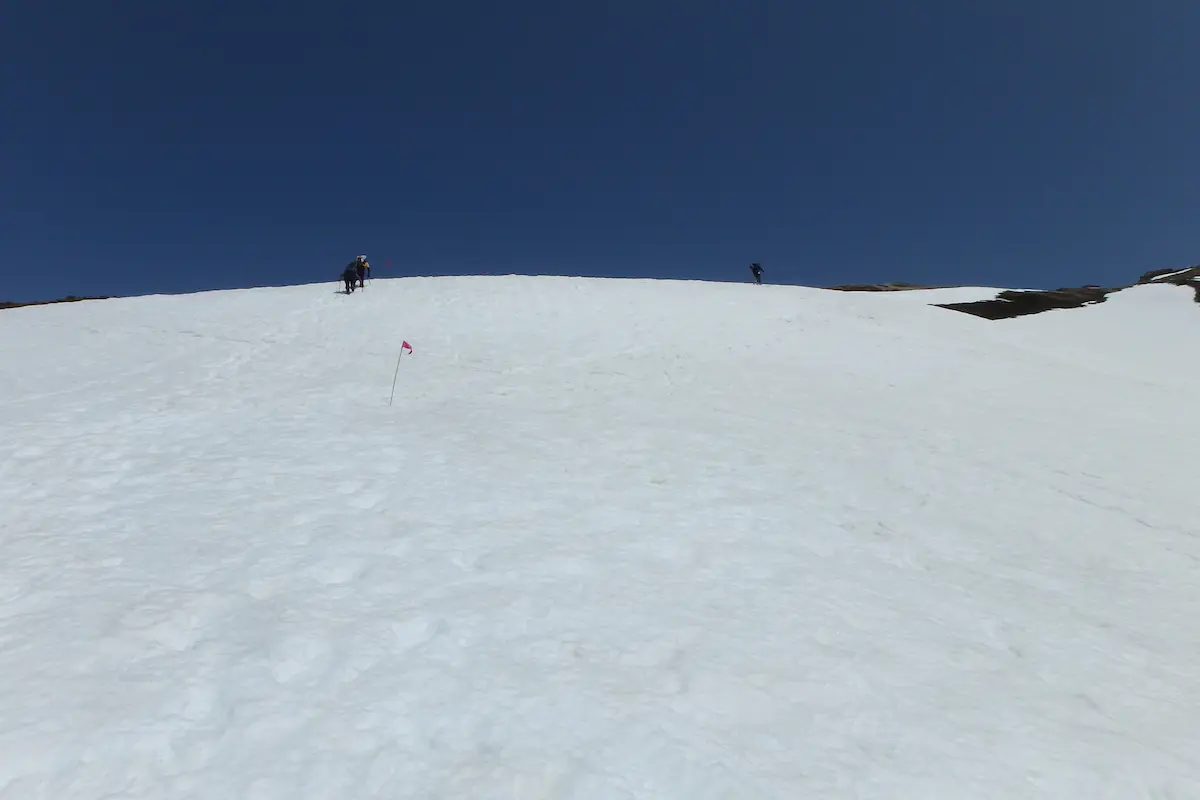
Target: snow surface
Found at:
x=629, y=539
x=949, y=294
x=1147, y=332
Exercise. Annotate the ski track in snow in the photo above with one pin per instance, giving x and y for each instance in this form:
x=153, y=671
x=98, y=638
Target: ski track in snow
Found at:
x=633, y=539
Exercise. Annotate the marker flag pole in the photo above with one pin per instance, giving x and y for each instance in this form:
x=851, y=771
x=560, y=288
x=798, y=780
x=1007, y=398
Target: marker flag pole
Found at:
x=403, y=346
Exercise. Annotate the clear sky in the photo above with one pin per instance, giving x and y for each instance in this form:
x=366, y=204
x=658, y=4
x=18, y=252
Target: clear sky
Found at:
x=173, y=146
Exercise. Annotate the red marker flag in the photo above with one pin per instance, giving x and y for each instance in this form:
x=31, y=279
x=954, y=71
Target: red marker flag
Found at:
x=406, y=346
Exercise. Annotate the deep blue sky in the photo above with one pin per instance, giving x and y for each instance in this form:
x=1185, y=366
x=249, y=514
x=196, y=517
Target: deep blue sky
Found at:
x=172, y=146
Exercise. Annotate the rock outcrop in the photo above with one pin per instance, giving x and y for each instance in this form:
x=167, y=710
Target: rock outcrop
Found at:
x=1010, y=304
x=68, y=299
x=1020, y=303
x=1179, y=277
x=880, y=287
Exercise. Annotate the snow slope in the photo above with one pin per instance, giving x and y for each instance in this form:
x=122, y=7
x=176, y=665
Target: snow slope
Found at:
x=615, y=539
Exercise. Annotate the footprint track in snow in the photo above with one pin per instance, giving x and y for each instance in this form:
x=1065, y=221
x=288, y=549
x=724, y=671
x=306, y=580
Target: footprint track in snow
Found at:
x=365, y=501
x=417, y=631
x=338, y=571
x=300, y=657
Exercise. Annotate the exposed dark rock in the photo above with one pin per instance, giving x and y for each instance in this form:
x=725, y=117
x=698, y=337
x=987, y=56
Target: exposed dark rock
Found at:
x=1010, y=304
x=1178, y=277
x=1154, y=273
x=880, y=287
x=68, y=299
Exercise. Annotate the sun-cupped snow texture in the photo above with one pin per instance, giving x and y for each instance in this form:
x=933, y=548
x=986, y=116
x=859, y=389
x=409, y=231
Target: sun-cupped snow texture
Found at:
x=638, y=539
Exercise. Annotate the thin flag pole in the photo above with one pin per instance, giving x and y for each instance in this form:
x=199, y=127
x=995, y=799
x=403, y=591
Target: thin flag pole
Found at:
x=403, y=346
x=397, y=375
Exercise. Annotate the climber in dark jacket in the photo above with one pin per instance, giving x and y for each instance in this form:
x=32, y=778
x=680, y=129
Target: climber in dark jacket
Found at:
x=350, y=277
x=756, y=271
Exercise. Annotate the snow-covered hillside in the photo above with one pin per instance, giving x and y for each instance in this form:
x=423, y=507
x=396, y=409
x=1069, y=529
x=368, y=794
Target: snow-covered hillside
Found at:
x=615, y=539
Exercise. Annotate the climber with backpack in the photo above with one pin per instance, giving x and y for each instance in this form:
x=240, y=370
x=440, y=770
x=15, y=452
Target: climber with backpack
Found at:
x=356, y=273
x=349, y=277
x=363, y=270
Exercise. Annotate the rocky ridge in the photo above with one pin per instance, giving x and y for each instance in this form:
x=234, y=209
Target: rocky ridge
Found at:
x=1021, y=302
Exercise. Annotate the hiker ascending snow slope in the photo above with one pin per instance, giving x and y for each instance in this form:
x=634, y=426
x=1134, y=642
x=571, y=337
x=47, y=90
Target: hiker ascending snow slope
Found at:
x=349, y=276
x=756, y=271
x=362, y=269
x=356, y=272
